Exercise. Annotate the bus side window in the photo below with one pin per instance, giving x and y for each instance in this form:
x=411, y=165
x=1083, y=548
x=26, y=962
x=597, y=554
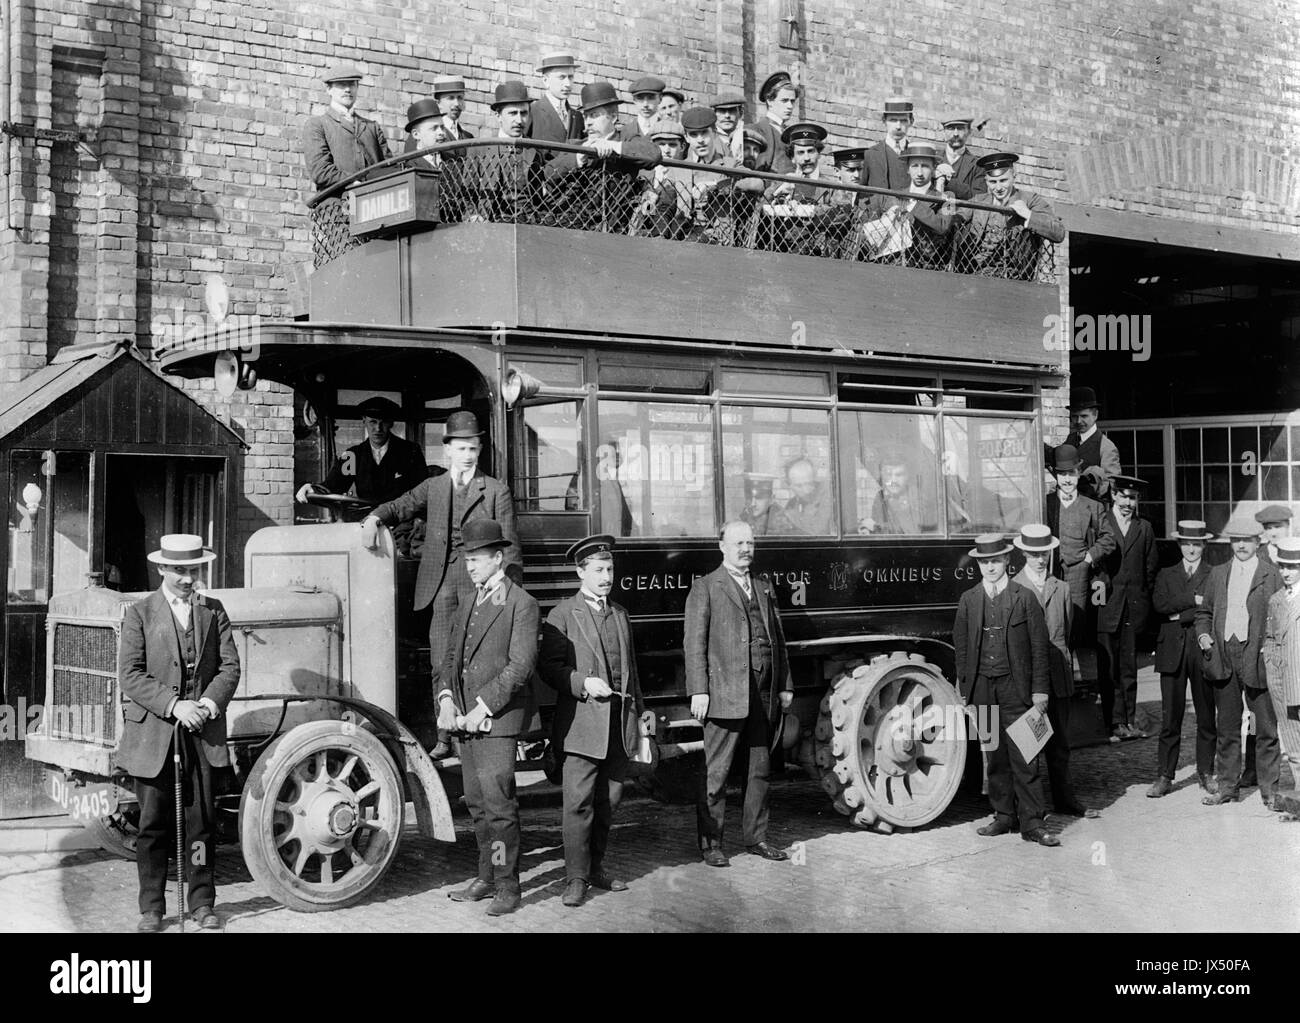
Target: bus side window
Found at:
x=889, y=469
x=778, y=470
x=547, y=468
x=989, y=477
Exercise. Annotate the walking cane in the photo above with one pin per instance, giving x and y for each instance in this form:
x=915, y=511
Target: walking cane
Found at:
x=178, y=812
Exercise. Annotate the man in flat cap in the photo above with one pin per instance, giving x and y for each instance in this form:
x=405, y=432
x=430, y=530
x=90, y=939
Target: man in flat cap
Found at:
x=671, y=103
x=730, y=111
x=1130, y=574
x=779, y=96
x=382, y=467
x=1179, y=591
x=999, y=639
x=1282, y=655
x=912, y=232
x=884, y=166
x=1006, y=245
x=646, y=93
x=1098, y=455
x=335, y=145
x=502, y=183
x=1275, y=524
x=665, y=208
x=959, y=173
x=485, y=694
x=589, y=659
x=1230, y=628
x=448, y=503
x=600, y=192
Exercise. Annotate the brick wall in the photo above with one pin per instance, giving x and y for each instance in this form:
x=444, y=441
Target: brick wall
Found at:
x=199, y=172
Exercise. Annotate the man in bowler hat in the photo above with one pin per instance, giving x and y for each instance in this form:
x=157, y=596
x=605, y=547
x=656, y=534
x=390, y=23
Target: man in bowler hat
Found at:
x=589, y=660
x=1098, y=455
x=502, y=183
x=177, y=663
x=485, y=694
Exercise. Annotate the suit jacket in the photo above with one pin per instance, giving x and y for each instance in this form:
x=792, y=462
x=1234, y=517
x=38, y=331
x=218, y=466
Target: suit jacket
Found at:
x=488, y=498
x=334, y=149
x=603, y=194
x=1007, y=245
x=1282, y=648
x=496, y=184
x=1212, y=616
x=967, y=179
x=1131, y=574
x=883, y=168
x=931, y=230
x=150, y=676
x=572, y=652
x=1106, y=459
x=497, y=664
x=402, y=468
x=775, y=158
x=1054, y=598
x=544, y=125
x=1082, y=529
x=451, y=154
x=1027, y=644
x=717, y=644
x=1174, y=600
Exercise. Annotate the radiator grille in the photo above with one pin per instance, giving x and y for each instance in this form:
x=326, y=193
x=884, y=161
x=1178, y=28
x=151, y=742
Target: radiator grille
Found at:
x=83, y=701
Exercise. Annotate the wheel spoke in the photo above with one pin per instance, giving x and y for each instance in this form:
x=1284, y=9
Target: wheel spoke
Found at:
x=322, y=764
x=300, y=864
x=915, y=697
x=348, y=766
x=326, y=870
x=366, y=791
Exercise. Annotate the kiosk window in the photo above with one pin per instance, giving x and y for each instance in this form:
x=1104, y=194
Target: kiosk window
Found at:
x=889, y=468
x=779, y=476
x=988, y=473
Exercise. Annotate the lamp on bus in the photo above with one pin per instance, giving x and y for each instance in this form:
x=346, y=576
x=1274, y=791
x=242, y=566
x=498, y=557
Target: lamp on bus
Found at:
x=518, y=386
x=228, y=373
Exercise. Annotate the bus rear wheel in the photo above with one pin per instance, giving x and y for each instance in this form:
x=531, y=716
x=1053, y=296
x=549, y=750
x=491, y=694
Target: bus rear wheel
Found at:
x=890, y=742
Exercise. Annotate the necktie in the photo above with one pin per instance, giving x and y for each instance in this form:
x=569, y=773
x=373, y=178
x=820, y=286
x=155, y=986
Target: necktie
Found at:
x=598, y=605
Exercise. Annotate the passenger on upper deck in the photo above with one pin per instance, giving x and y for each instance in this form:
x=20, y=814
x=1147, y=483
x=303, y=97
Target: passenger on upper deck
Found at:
x=502, y=184
x=599, y=192
x=799, y=212
x=810, y=510
x=671, y=103
x=884, y=166
x=552, y=119
x=779, y=96
x=646, y=93
x=908, y=230
x=1006, y=246
x=424, y=128
x=449, y=91
x=959, y=173
x=730, y=111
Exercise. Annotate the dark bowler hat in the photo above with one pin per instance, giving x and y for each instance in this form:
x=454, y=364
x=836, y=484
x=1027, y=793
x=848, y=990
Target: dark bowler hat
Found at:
x=804, y=131
x=728, y=100
x=756, y=137
x=478, y=534
x=461, y=425
x=989, y=545
x=697, y=118
x=1191, y=529
x=897, y=105
x=1082, y=397
x=921, y=151
x=381, y=408
x=444, y=84
x=849, y=157
x=598, y=94
x=554, y=60
x=1065, y=459
x=512, y=91
x=599, y=546
x=770, y=84
x=421, y=110
x=1119, y=483
x=1288, y=551
x=676, y=94
x=949, y=122
x=1273, y=513
x=996, y=161
x=647, y=83
x=343, y=73
x=1036, y=538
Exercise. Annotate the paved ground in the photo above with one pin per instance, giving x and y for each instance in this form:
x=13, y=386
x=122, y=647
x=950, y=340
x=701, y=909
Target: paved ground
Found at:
x=1169, y=864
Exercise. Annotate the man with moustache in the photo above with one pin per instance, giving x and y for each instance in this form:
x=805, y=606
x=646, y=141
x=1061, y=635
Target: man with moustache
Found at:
x=898, y=508
x=1179, y=591
x=735, y=665
x=801, y=211
x=959, y=173
x=503, y=183
x=1232, y=618
x=729, y=108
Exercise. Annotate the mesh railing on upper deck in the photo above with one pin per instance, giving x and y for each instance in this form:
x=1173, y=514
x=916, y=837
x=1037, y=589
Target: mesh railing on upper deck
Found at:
x=559, y=186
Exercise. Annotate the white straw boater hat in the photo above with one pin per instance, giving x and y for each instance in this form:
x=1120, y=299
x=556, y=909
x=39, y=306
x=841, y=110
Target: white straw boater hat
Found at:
x=181, y=549
x=1036, y=538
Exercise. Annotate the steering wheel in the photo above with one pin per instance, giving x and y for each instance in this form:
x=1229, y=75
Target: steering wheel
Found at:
x=339, y=502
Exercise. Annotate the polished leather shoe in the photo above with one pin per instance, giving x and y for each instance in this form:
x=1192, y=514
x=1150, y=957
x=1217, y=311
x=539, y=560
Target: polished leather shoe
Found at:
x=1208, y=782
x=149, y=922
x=441, y=750
x=476, y=891
x=1218, y=798
x=1079, y=810
x=206, y=917
x=1042, y=836
x=998, y=827
x=715, y=857
x=1247, y=780
x=575, y=893
x=1162, y=786
x=505, y=901
x=1272, y=801
x=599, y=879
x=768, y=852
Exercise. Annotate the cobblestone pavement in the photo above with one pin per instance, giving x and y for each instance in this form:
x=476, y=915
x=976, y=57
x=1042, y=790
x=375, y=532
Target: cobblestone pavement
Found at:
x=1169, y=864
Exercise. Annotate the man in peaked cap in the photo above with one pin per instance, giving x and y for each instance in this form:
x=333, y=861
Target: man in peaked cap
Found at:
x=999, y=638
x=646, y=93
x=730, y=110
x=449, y=502
x=848, y=164
x=1130, y=572
x=1006, y=245
x=1179, y=591
x=1275, y=523
x=485, y=693
x=177, y=664
x=589, y=659
x=1098, y=455
x=1230, y=626
x=779, y=96
x=912, y=231
x=959, y=173
x=799, y=211
x=553, y=119
x=884, y=166
x=335, y=145
x=1282, y=657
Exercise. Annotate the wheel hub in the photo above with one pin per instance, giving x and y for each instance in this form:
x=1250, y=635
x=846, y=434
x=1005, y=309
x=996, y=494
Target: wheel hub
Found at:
x=895, y=746
x=331, y=816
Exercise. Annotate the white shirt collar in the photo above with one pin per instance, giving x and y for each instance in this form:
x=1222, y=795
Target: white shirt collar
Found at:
x=917, y=190
x=491, y=585
x=1249, y=565
x=378, y=453
x=998, y=587
x=896, y=148
x=590, y=597
x=953, y=155
x=456, y=481
x=1064, y=502
x=561, y=106
x=1091, y=430
x=347, y=113
x=1038, y=580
